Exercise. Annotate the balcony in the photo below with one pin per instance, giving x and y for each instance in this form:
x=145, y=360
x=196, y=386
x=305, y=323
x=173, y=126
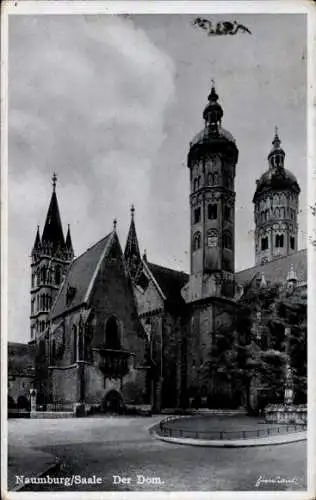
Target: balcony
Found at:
x=113, y=363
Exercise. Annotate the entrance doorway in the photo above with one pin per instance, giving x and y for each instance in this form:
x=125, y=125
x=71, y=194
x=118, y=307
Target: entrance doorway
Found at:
x=113, y=402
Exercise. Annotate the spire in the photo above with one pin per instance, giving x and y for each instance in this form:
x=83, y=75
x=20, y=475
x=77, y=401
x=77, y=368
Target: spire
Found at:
x=277, y=154
x=37, y=242
x=213, y=113
x=69, y=246
x=53, y=232
x=132, y=253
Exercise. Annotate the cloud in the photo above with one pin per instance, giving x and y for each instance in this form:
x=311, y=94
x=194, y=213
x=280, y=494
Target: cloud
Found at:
x=84, y=102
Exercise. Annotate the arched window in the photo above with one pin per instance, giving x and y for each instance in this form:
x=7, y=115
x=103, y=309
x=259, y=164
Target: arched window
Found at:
x=33, y=280
x=74, y=344
x=215, y=177
x=266, y=215
x=212, y=211
x=195, y=184
x=199, y=181
x=262, y=215
x=112, y=340
x=227, y=240
x=196, y=241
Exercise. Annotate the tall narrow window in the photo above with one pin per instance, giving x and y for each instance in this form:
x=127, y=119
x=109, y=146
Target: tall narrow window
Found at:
x=199, y=182
x=112, y=340
x=264, y=243
x=195, y=184
x=196, y=241
x=292, y=243
x=197, y=215
x=227, y=213
x=279, y=241
x=212, y=211
x=227, y=241
x=57, y=275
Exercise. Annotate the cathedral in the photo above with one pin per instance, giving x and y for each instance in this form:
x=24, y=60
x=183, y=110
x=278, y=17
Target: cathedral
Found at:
x=109, y=329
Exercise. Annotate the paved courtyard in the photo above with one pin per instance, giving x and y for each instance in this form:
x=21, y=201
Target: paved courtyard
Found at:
x=108, y=449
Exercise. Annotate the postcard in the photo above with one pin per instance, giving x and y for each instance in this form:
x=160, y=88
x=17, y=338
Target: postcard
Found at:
x=158, y=241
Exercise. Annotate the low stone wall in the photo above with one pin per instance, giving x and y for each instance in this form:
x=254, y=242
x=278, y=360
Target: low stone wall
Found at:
x=52, y=414
x=283, y=414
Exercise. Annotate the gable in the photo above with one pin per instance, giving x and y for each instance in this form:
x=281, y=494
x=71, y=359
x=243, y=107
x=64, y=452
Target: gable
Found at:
x=80, y=278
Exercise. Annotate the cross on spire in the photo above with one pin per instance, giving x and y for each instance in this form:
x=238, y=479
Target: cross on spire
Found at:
x=54, y=180
x=132, y=210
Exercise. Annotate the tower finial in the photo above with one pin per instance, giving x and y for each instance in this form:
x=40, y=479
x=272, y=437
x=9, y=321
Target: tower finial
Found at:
x=132, y=210
x=276, y=140
x=54, y=180
x=114, y=224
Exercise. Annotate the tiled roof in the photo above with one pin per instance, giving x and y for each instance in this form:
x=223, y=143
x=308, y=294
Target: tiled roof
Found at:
x=80, y=277
x=276, y=271
x=170, y=282
x=20, y=359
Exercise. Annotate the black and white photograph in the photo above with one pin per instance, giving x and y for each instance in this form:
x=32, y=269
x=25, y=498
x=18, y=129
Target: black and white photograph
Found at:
x=157, y=247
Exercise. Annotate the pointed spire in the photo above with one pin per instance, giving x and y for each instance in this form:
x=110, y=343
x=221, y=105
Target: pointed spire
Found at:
x=53, y=236
x=277, y=154
x=213, y=113
x=37, y=242
x=132, y=253
x=276, y=140
x=145, y=255
x=69, y=246
x=114, y=224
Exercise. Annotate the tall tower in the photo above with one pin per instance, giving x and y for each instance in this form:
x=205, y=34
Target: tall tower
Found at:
x=212, y=162
x=51, y=256
x=276, y=202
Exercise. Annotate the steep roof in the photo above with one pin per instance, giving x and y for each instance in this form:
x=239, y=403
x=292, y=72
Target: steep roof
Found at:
x=80, y=278
x=53, y=231
x=170, y=282
x=277, y=270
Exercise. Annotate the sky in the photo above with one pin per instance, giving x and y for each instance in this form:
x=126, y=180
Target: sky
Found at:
x=111, y=103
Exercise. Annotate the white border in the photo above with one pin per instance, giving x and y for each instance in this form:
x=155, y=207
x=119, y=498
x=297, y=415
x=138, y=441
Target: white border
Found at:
x=152, y=7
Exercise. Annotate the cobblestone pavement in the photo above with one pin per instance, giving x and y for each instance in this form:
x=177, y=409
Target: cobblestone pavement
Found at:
x=100, y=448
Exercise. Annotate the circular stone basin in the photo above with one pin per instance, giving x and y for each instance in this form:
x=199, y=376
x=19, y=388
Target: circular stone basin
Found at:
x=224, y=427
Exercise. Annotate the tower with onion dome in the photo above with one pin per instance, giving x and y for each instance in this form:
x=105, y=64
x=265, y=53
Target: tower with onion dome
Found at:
x=212, y=160
x=276, y=202
x=51, y=256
